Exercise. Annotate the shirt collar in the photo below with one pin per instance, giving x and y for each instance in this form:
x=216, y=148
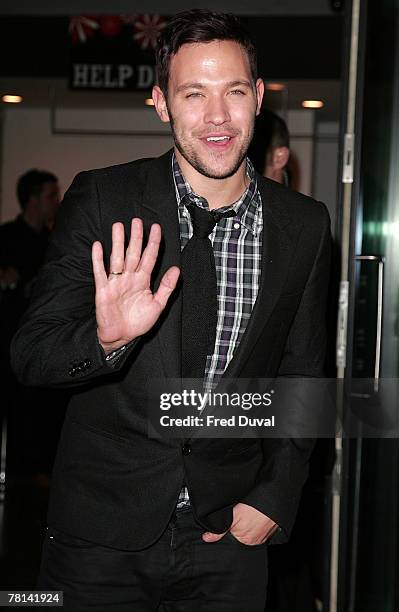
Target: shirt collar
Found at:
x=247, y=207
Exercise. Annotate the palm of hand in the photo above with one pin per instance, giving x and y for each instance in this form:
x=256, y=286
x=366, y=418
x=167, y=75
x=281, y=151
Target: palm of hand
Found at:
x=125, y=305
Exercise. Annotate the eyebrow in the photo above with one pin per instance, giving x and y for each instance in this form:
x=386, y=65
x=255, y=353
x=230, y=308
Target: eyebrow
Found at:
x=186, y=86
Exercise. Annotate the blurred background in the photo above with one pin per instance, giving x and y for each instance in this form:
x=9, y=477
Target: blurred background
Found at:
x=75, y=91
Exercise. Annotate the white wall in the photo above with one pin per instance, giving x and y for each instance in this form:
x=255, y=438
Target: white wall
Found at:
x=301, y=128
x=29, y=143
x=326, y=166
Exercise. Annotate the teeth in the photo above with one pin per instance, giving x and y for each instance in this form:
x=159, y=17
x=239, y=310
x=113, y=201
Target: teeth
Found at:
x=217, y=138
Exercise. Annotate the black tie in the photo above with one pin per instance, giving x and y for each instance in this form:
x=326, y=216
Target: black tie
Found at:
x=199, y=315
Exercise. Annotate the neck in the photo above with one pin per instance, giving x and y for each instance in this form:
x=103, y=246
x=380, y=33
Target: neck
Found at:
x=217, y=192
x=32, y=219
x=274, y=174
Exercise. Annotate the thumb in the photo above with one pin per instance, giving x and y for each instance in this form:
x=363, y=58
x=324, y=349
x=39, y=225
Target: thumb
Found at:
x=212, y=537
x=167, y=285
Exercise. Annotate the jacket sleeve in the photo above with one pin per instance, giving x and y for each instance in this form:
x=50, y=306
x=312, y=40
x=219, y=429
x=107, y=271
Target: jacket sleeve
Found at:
x=285, y=469
x=56, y=344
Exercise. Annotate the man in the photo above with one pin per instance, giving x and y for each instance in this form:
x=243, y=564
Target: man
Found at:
x=136, y=522
x=270, y=147
x=23, y=243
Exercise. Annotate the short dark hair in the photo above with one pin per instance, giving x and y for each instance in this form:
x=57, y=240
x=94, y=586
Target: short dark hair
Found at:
x=200, y=26
x=270, y=131
x=31, y=184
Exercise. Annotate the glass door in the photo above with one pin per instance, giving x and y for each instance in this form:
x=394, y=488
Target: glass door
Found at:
x=364, y=573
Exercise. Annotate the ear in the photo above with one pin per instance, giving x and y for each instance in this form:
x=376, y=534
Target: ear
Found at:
x=280, y=157
x=260, y=90
x=160, y=104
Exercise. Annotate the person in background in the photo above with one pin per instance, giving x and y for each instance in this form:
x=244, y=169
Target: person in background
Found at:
x=270, y=147
x=23, y=244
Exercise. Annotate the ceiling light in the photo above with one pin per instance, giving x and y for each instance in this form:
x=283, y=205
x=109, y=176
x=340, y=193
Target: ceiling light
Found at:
x=11, y=99
x=275, y=86
x=312, y=103
x=149, y=102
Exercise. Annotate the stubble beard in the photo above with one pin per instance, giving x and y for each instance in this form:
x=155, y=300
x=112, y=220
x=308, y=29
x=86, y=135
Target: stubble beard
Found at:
x=187, y=150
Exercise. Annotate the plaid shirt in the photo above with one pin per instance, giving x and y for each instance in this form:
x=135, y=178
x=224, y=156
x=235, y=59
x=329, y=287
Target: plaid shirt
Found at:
x=237, y=246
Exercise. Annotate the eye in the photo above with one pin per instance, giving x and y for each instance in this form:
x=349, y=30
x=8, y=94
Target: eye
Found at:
x=194, y=94
x=238, y=92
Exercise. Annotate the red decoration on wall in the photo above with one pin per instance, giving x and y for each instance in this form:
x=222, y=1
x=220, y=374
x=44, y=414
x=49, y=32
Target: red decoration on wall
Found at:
x=114, y=51
x=148, y=28
x=82, y=27
x=111, y=25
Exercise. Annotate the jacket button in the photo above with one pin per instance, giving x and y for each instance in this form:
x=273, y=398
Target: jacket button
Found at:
x=186, y=449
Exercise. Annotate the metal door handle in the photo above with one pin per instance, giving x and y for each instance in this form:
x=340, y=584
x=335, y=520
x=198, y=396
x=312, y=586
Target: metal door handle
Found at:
x=380, y=287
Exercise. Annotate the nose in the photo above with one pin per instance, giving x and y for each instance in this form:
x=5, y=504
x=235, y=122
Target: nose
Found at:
x=216, y=111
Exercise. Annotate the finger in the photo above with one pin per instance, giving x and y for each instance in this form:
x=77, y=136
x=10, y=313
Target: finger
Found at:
x=133, y=252
x=150, y=252
x=100, y=277
x=272, y=531
x=117, y=259
x=166, y=286
x=212, y=537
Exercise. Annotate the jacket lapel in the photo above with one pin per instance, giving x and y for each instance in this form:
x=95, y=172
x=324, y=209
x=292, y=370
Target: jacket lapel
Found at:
x=159, y=200
x=278, y=245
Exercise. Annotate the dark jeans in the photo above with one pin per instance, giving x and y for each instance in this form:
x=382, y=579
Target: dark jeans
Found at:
x=179, y=573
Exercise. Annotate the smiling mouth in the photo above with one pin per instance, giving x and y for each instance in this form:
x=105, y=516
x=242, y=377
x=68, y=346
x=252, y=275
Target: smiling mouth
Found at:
x=218, y=142
x=218, y=138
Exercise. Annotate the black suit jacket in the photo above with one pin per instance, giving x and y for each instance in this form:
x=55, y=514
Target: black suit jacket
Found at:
x=111, y=483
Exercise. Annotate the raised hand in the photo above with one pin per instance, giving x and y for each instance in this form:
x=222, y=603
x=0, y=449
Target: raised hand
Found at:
x=125, y=305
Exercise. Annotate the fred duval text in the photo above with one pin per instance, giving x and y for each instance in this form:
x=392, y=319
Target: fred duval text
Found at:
x=213, y=421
